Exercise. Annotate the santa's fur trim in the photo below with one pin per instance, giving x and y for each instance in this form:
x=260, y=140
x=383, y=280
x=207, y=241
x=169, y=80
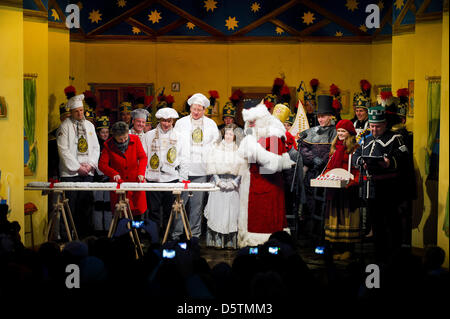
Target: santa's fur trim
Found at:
x=267, y=126
x=254, y=113
x=270, y=162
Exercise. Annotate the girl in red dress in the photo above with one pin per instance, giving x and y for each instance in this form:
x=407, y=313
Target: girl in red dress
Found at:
x=342, y=218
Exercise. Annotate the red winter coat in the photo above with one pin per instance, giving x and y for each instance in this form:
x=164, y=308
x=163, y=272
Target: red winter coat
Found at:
x=266, y=208
x=128, y=165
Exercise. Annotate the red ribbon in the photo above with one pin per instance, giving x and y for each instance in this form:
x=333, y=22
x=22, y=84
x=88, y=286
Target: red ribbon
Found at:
x=186, y=184
x=120, y=181
x=52, y=182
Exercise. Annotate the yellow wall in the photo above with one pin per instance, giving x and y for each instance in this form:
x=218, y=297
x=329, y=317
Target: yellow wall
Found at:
x=381, y=65
x=204, y=67
x=11, y=128
x=35, y=40
x=77, y=64
x=443, y=240
x=58, y=72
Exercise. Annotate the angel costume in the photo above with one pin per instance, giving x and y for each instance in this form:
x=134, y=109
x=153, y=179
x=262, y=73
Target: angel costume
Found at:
x=222, y=209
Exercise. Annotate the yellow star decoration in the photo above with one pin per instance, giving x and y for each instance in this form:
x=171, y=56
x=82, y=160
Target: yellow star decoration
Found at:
x=210, y=5
x=398, y=4
x=255, y=7
x=136, y=30
x=121, y=3
x=279, y=30
x=55, y=15
x=381, y=5
x=95, y=16
x=339, y=34
x=231, y=23
x=190, y=25
x=308, y=17
x=352, y=5
x=80, y=5
x=363, y=28
x=154, y=16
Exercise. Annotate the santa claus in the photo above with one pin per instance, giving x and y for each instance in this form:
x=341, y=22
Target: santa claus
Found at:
x=262, y=206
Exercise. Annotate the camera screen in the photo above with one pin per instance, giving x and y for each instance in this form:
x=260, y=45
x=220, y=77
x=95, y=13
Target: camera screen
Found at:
x=274, y=250
x=182, y=245
x=137, y=224
x=253, y=250
x=319, y=250
x=168, y=253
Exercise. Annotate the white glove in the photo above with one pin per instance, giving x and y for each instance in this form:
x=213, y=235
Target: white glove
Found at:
x=235, y=185
x=230, y=186
x=222, y=185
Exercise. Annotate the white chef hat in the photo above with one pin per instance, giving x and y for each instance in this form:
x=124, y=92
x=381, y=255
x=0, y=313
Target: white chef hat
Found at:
x=199, y=98
x=166, y=113
x=139, y=114
x=75, y=101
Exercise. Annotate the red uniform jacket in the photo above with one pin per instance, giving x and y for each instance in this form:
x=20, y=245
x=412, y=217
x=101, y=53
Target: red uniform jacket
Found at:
x=266, y=208
x=128, y=165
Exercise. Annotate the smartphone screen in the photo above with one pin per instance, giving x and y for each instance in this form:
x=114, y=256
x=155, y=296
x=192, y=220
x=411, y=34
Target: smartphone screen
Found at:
x=182, y=245
x=168, y=253
x=274, y=250
x=137, y=224
x=253, y=251
x=320, y=250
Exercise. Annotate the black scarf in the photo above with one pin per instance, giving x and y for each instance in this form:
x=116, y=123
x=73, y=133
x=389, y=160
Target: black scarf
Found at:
x=122, y=146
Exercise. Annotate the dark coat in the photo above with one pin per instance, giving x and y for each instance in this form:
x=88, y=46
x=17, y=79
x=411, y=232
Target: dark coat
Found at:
x=378, y=182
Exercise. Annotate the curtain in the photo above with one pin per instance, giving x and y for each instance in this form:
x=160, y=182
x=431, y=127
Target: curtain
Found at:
x=29, y=119
x=434, y=105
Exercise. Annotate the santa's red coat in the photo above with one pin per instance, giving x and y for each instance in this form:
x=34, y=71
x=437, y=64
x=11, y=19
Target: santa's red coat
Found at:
x=266, y=209
x=128, y=165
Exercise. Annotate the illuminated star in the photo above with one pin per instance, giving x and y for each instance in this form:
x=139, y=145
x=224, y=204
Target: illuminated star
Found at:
x=339, y=34
x=95, y=16
x=154, y=16
x=190, y=25
x=121, y=3
x=80, y=5
x=136, y=30
x=398, y=4
x=55, y=15
x=278, y=30
x=308, y=17
x=231, y=23
x=363, y=28
x=381, y=5
x=210, y=5
x=255, y=7
x=352, y=5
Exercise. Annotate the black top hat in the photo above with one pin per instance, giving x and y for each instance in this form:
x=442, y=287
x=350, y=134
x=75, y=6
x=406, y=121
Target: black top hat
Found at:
x=324, y=103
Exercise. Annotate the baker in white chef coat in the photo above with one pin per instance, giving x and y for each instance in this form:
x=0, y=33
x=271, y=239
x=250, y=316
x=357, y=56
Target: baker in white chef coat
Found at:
x=165, y=164
x=198, y=133
x=79, y=151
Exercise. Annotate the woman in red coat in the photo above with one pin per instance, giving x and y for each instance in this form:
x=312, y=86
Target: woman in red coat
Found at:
x=123, y=159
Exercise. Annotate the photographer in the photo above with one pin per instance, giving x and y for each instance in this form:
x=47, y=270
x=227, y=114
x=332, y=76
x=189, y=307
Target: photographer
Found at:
x=9, y=233
x=380, y=159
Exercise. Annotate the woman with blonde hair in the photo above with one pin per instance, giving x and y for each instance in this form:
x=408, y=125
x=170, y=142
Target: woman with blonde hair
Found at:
x=342, y=220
